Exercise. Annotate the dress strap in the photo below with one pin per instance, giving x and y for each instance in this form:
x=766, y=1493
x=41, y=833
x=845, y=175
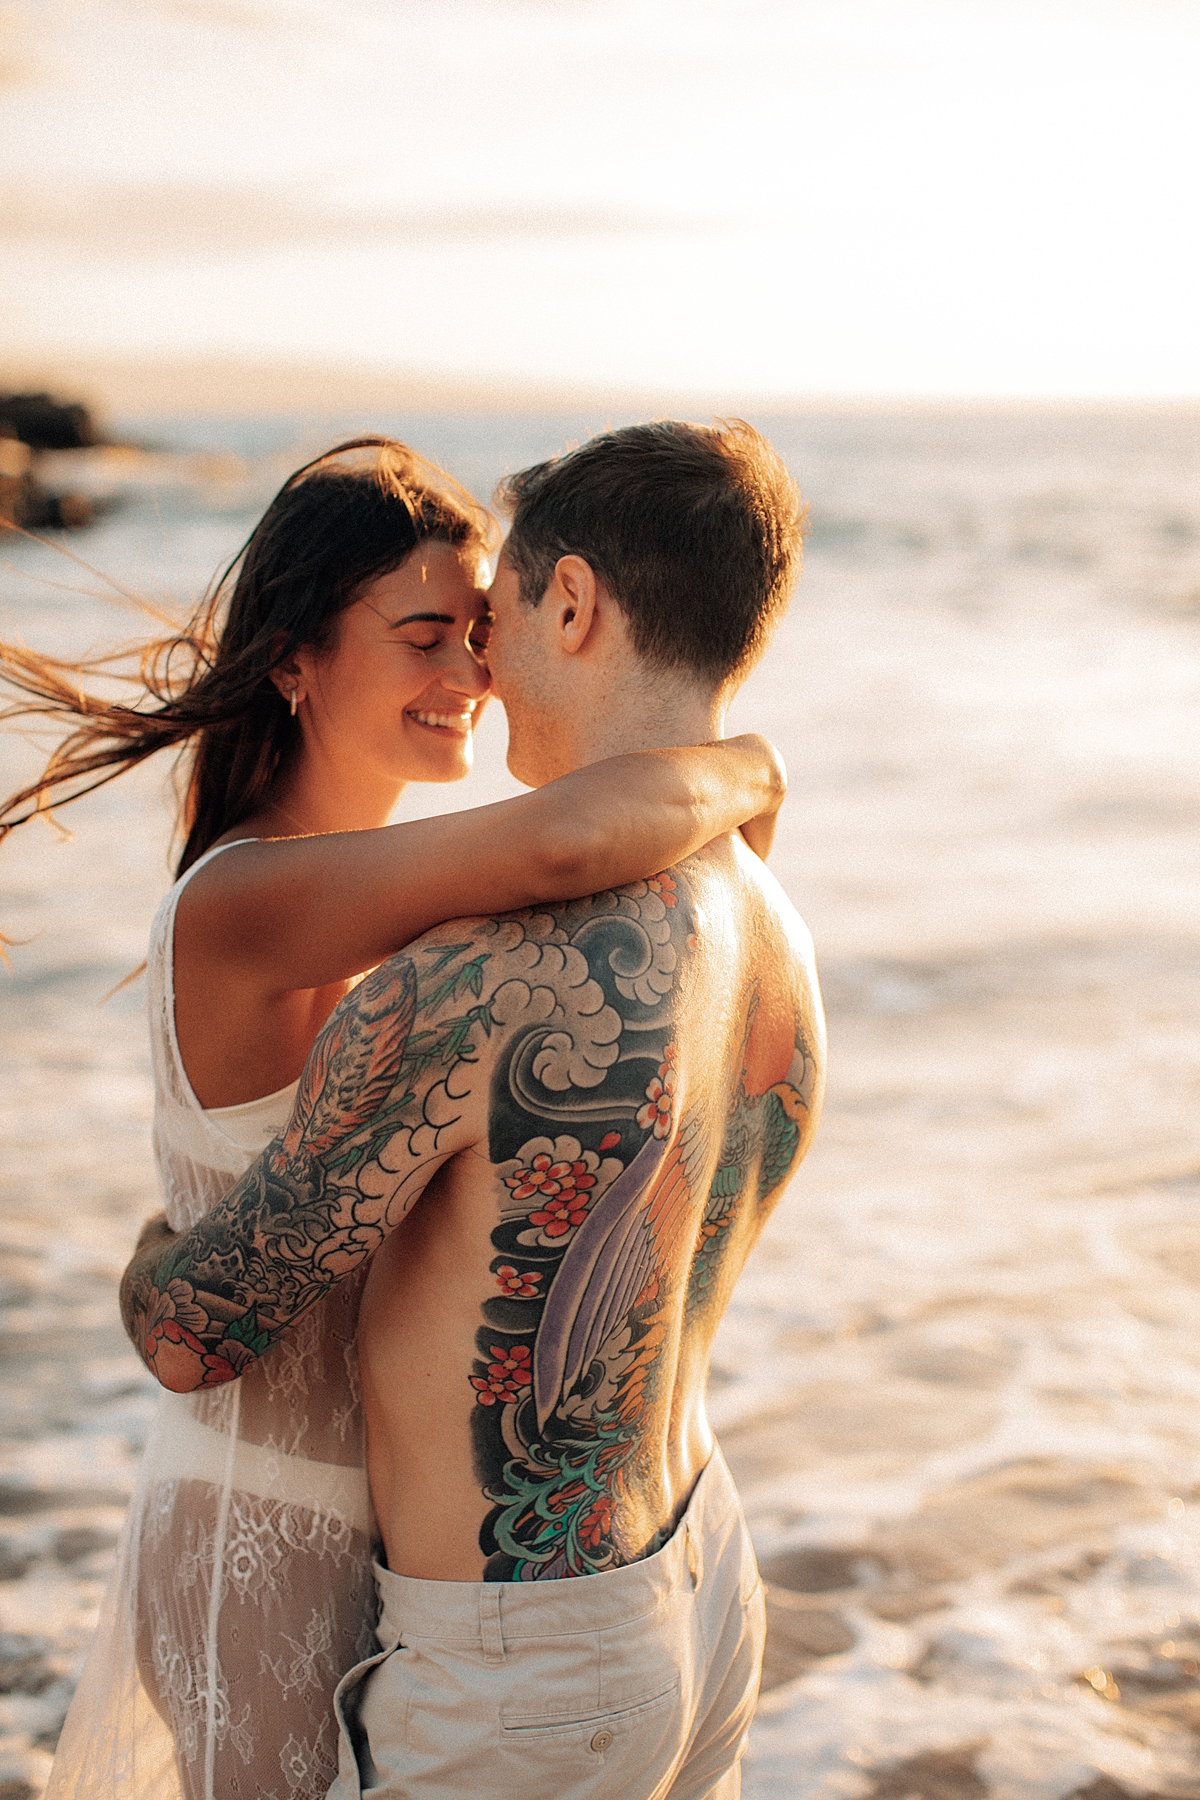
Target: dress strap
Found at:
x=207, y=857
x=160, y=968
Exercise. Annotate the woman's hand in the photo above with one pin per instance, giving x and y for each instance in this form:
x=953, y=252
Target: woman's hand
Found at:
x=154, y=1235
x=633, y=815
x=759, y=832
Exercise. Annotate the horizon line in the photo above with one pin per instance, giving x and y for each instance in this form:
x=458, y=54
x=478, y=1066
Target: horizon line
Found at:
x=221, y=385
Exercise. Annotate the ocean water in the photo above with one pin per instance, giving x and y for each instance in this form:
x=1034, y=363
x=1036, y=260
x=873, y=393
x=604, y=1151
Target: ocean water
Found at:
x=960, y=1382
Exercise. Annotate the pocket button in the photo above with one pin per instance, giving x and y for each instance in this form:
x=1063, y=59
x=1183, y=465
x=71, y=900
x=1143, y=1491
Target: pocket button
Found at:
x=602, y=1741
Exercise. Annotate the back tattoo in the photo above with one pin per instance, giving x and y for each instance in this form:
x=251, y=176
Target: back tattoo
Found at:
x=601, y=1232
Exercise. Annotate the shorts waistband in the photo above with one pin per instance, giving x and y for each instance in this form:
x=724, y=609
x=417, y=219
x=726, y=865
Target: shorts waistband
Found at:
x=478, y=1613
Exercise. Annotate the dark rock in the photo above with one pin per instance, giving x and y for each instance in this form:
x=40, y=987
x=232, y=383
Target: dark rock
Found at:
x=45, y=423
x=26, y=503
x=29, y=424
x=16, y=483
x=933, y=1775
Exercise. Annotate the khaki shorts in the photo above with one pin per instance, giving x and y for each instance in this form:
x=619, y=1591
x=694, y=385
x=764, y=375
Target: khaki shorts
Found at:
x=635, y=1685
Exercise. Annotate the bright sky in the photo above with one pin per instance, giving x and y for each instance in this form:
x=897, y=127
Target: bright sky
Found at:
x=993, y=197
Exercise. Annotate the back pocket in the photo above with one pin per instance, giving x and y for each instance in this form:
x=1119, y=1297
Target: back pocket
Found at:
x=614, y=1722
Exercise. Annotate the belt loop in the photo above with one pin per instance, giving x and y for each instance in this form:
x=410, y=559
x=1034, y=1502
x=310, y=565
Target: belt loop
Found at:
x=491, y=1637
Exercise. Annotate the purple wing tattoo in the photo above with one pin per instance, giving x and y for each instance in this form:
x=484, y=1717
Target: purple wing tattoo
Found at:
x=626, y=1238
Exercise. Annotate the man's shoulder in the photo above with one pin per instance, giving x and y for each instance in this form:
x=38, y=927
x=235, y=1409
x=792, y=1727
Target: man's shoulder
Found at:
x=543, y=1001
x=763, y=973
x=599, y=955
x=758, y=911
x=566, y=958
x=549, y=941
x=791, y=934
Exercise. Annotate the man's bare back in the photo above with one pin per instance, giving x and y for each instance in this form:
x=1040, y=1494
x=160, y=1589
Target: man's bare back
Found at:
x=560, y=1133
x=639, y=1077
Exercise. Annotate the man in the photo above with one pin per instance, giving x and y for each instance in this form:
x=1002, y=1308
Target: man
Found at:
x=558, y=1134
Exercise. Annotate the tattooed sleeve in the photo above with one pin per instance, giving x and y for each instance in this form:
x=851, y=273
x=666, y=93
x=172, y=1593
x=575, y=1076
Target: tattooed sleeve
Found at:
x=381, y=1104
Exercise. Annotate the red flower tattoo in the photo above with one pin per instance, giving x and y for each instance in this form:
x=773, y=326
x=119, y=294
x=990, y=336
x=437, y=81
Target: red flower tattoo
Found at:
x=559, y=1216
x=660, y=1096
x=562, y=1188
x=509, y=1378
x=521, y=1284
x=664, y=886
x=548, y=1179
x=177, y=1356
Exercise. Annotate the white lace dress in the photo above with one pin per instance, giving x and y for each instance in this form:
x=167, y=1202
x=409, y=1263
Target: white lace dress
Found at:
x=243, y=1587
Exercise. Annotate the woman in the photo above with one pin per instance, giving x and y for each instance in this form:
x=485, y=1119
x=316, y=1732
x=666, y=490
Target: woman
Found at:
x=351, y=661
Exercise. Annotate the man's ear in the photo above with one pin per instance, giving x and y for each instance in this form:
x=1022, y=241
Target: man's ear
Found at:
x=574, y=593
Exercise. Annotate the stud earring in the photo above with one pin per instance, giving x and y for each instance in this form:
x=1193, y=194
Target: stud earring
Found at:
x=292, y=697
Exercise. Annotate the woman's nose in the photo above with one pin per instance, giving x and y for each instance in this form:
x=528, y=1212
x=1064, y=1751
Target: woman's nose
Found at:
x=467, y=672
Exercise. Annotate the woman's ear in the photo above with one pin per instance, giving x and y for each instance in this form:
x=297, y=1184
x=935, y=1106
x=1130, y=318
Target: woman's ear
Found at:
x=574, y=595
x=288, y=678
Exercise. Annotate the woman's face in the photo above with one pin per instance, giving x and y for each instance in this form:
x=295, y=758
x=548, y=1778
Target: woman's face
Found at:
x=404, y=682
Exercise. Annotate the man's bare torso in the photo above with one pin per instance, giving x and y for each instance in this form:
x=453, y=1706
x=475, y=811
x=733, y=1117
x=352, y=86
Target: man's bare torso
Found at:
x=635, y=1076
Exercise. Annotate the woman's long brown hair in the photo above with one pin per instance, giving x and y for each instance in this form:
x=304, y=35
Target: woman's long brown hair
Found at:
x=336, y=525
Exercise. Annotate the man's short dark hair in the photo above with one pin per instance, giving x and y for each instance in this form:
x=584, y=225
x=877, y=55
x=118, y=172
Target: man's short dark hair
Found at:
x=695, y=530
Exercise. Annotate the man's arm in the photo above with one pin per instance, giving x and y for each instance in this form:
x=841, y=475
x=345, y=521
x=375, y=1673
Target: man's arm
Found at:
x=387, y=1095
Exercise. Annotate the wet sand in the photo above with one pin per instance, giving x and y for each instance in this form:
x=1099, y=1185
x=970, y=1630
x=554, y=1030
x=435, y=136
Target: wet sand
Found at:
x=960, y=1383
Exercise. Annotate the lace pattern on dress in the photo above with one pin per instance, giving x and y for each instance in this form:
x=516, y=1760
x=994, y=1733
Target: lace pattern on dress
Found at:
x=243, y=1589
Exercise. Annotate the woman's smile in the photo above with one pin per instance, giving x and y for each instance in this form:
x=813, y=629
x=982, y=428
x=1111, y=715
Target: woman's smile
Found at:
x=458, y=723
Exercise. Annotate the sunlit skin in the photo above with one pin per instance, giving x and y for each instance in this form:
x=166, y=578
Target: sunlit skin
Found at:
x=577, y=636
x=394, y=699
